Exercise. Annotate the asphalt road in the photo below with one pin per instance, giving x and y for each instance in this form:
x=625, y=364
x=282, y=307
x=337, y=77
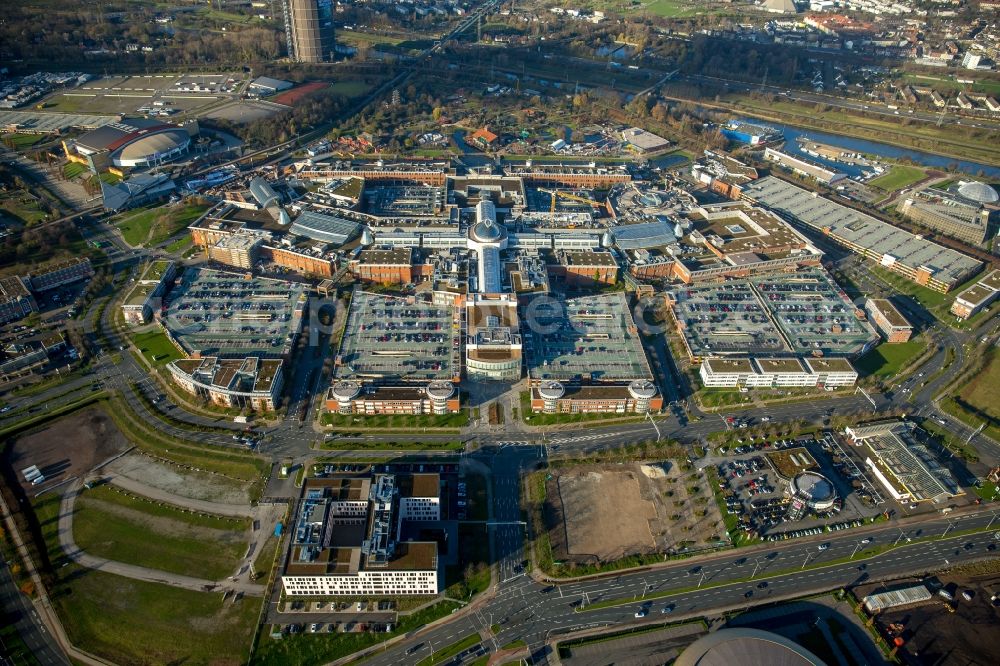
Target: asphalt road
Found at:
x=535, y=612
x=25, y=619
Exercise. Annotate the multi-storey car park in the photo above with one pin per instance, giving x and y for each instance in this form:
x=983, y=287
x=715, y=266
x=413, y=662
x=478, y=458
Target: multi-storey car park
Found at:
x=397, y=355
x=230, y=315
x=584, y=355
x=803, y=313
x=922, y=261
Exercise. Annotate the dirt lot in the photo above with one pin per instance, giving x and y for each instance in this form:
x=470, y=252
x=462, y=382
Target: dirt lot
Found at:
x=178, y=480
x=70, y=446
x=935, y=636
x=604, y=513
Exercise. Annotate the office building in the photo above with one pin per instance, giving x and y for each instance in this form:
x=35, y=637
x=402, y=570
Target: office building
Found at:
x=309, y=30
x=888, y=320
x=977, y=297
x=347, y=538
x=140, y=304
x=16, y=300
x=752, y=373
x=249, y=382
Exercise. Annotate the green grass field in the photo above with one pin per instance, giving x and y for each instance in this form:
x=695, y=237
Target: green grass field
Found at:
x=156, y=347
x=21, y=206
x=350, y=88
x=885, y=361
x=133, y=622
x=976, y=402
x=73, y=169
x=179, y=245
x=112, y=525
x=396, y=420
x=899, y=176
x=154, y=225
x=21, y=141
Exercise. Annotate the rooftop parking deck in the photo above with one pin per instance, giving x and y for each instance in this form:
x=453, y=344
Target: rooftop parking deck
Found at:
x=802, y=313
x=813, y=313
x=227, y=314
x=586, y=339
x=392, y=338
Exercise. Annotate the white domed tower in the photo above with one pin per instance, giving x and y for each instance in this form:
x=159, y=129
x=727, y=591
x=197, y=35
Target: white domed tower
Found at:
x=642, y=391
x=367, y=238
x=551, y=391
x=344, y=393
x=439, y=393
x=487, y=238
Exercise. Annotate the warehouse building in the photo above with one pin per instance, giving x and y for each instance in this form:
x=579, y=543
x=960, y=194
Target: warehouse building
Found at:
x=348, y=537
x=806, y=168
x=978, y=297
x=889, y=321
x=922, y=261
x=53, y=276
x=902, y=464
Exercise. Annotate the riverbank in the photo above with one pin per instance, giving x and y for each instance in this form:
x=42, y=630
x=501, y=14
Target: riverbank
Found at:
x=921, y=136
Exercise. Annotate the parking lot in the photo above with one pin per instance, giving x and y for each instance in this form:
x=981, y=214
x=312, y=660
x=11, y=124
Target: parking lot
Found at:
x=805, y=313
x=225, y=314
x=759, y=497
x=813, y=313
x=388, y=337
x=586, y=338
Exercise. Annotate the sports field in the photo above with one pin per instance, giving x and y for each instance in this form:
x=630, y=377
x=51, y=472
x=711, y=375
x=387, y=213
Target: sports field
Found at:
x=898, y=177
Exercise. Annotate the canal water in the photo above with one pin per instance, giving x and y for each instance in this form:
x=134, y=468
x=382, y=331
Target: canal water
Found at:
x=851, y=144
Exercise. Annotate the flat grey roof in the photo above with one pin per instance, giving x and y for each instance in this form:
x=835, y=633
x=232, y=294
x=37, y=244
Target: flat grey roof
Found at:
x=858, y=228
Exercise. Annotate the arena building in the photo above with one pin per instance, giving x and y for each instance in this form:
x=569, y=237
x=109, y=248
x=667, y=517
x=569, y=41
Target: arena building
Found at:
x=743, y=645
x=348, y=537
x=131, y=143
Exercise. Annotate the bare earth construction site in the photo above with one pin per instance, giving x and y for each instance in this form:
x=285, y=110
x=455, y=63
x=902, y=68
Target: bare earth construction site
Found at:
x=602, y=513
